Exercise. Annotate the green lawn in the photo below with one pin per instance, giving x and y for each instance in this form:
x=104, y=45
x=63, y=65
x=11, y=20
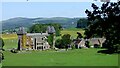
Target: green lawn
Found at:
x=80, y=57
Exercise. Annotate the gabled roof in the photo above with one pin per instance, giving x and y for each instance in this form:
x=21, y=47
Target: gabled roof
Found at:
x=21, y=31
x=51, y=29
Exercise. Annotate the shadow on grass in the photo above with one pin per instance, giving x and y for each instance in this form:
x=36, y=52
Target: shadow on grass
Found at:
x=108, y=51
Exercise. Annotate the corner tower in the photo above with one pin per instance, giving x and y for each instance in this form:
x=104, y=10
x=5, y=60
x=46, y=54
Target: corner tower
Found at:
x=21, y=38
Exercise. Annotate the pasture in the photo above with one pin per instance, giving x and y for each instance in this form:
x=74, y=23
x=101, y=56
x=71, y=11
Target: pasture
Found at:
x=10, y=41
x=72, y=32
x=79, y=57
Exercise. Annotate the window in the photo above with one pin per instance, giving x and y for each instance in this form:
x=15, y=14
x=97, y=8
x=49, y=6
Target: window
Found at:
x=39, y=43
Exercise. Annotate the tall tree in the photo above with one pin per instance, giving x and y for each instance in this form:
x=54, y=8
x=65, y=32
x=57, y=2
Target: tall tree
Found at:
x=51, y=39
x=82, y=23
x=66, y=40
x=105, y=22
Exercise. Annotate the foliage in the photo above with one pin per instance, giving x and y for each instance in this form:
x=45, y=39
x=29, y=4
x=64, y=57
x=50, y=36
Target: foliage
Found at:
x=58, y=43
x=64, y=42
x=82, y=23
x=16, y=22
x=87, y=44
x=79, y=35
x=1, y=43
x=1, y=48
x=50, y=39
x=105, y=22
x=14, y=51
x=37, y=28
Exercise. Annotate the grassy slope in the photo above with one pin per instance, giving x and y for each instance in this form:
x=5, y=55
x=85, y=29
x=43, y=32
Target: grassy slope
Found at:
x=9, y=36
x=80, y=57
x=10, y=41
x=72, y=32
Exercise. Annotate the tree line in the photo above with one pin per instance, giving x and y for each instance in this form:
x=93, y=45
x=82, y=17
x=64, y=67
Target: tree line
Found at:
x=38, y=28
x=82, y=23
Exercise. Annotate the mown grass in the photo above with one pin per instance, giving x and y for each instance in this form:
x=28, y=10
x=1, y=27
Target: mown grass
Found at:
x=80, y=57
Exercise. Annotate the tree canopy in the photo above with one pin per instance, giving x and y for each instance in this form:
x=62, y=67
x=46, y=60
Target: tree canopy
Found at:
x=105, y=22
x=38, y=28
x=64, y=42
x=82, y=23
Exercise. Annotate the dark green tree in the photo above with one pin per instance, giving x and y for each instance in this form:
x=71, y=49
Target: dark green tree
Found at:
x=58, y=43
x=1, y=44
x=82, y=23
x=105, y=22
x=1, y=48
x=79, y=35
x=66, y=40
x=51, y=39
x=35, y=28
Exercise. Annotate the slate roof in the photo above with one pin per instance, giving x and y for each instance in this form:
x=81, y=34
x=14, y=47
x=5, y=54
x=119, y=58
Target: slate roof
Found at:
x=37, y=34
x=93, y=41
x=21, y=31
x=51, y=29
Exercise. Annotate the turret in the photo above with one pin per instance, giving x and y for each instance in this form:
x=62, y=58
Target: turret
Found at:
x=21, y=38
x=51, y=31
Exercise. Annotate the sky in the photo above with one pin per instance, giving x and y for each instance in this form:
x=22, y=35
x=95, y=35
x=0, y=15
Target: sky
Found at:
x=44, y=9
x=53, y=0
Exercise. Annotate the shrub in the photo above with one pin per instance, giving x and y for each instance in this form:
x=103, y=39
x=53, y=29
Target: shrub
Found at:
x=96, y=46
x=14, y=51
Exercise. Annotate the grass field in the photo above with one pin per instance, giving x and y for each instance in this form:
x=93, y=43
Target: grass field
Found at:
x=80, y=57
x=10, y=41
x=72, y=32
x=9, y=36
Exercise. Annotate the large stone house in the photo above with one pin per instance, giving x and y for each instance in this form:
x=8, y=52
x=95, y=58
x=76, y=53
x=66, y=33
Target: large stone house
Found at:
x=32, y=41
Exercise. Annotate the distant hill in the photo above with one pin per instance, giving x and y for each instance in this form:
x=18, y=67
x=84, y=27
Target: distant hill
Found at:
x=27, y=22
